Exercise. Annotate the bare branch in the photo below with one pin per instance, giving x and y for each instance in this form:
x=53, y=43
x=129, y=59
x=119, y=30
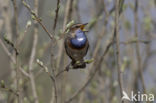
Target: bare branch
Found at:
x=11, y=44
x=18, y=73
x=56, y=15
x=7, y=51
x=33, y=54
x=35, y=17
x=138, y=47
x=40, y=63
x=117, y=39
x=2, y=86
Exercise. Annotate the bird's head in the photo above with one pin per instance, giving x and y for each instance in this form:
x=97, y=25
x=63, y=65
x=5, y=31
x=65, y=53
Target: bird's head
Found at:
x=77, y=26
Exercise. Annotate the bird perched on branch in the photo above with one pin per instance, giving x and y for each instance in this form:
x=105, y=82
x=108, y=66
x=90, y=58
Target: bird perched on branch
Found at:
x=76, y=46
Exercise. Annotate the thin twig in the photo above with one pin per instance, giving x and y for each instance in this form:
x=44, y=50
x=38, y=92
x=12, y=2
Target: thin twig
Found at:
x=56, y=15
x=11, y=44
x=76, y=9
x=135, y=41
x=18, y=74
x=33, y=54
x=12, y=58
x=6, y=14
x=60, y=72
x=138, y=47
x=7, y=52
x=45, y=68
x=35, y=17
x=21, y=38
x=2, y=86
x=40, y=63
x=117, y=39
x=71, y=67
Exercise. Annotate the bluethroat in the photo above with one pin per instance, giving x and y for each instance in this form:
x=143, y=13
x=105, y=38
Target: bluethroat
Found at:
x=76, y=46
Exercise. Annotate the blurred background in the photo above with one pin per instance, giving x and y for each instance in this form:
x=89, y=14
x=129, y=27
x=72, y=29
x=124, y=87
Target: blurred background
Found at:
x=23, y=40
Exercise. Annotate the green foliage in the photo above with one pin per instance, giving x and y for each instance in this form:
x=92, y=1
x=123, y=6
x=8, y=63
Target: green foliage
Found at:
x=89, y=61
x=127, y=24
x=2, y=85
x=126, y=61
x=33, y=17
x=92, y=22
x=70, y=24
x=147, y=23
x=108, y=72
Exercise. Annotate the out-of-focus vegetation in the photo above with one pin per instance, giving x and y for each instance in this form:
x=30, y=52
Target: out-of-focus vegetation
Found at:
x=33, y=59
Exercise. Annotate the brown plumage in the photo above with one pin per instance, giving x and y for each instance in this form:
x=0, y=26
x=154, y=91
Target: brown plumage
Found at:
x=76, y=46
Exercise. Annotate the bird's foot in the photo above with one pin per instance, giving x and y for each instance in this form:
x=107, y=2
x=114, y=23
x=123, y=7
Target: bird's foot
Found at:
x=79, y=64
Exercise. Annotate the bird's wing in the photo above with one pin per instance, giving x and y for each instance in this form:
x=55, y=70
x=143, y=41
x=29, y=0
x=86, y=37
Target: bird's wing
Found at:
x=87, y=47
x=67, y=46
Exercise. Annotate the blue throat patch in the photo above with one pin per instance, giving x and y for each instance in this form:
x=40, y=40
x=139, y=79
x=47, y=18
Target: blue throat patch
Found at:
x=80, y=39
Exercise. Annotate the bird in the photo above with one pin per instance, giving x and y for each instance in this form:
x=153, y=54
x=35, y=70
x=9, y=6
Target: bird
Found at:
x=76, y=45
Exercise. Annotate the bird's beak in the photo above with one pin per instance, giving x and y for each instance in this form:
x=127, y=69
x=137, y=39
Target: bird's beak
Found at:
x=82, y=27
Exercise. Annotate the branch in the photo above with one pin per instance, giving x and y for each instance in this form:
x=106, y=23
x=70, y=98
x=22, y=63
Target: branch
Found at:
x=40, y=63
x=117, y=39
x=56, y=15
x=138, y=48
x=67, y=69
x=33, y=54
x=2, y=85
x=35, y=17
x=11, y=44
x=7, y=52
x=16, y=32
x=22, y=36
x=13, y=58
x=135, y=41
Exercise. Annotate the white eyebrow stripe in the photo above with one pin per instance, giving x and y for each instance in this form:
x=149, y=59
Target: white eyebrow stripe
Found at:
x=80, y=39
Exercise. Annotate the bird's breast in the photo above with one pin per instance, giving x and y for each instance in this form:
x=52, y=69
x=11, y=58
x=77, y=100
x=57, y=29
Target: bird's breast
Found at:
x=78, y=42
